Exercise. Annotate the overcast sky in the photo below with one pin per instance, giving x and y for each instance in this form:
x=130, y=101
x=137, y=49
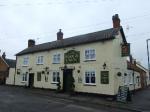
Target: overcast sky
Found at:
x=21, y=20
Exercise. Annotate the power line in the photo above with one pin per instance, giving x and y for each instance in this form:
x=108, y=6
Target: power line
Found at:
x=54, y=2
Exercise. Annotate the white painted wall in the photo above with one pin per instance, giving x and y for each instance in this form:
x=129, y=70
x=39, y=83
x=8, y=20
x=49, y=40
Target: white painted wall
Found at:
x=10, y=78
x=107, y=51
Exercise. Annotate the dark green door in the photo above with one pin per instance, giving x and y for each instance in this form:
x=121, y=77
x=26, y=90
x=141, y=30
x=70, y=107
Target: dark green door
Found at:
x=67, y=78
x=31, y=79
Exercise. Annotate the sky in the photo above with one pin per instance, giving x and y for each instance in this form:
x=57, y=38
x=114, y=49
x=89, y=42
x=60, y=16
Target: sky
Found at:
x=21, y=20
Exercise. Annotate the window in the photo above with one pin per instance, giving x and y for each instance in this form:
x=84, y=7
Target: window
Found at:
x=104, y=77
x=126, y=80
x=38, y=76
x=40, y=60
x=24, y=77
x=90, y=54
x=56, y=58
x=25, y=61
x=90, y=77
x=46, y=78
x=130, y=79
x=55, y=77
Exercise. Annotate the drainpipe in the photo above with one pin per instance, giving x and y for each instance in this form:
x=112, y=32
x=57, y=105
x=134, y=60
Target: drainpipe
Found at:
x=133, y=82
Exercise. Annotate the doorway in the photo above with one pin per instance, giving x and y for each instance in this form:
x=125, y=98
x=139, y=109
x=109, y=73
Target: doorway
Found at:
x=31, y=80
x=67, y=80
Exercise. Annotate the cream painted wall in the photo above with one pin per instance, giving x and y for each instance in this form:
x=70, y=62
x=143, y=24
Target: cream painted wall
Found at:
x=107, y=51
x=10, y=78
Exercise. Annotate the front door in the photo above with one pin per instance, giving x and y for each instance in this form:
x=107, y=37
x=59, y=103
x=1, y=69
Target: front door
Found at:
x=31, y=79
x=67, y=78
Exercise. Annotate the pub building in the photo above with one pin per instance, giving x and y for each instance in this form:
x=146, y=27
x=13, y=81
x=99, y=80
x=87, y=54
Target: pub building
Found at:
x=90, y=63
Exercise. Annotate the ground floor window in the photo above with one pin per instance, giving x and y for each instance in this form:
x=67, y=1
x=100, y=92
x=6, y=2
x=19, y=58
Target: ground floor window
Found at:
x=131, y=79
x=126, y=79
x=90, y=77
x=38, y=76
x=55, y=77
x=46, y=78
x=104, y=77
x=24, y=77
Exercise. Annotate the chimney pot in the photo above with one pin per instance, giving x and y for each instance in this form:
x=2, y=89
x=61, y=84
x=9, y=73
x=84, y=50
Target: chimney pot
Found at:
x=116, y=21
x=31, y=43
x=4, y=55
x=59, y=35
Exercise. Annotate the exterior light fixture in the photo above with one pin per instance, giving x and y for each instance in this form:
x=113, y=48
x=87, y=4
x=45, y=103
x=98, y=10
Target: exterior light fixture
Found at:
x=104, y=65
x=119, y=74
x=30, y=69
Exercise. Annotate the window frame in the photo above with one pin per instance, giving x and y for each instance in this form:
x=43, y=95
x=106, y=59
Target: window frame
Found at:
x=56, y=77
x=25, y=61
x=56, y=61
x=24, y=77
x=90, y=77
x=41, y=57
x=38, y=77
x=89, y=55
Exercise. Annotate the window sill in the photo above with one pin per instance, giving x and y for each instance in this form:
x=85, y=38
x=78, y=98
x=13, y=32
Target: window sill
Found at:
x=55, y=63
x=54, y=82
x=23, y=81
x=39, y=64
x=89, y=60
x=89, y=84
x=25, y=65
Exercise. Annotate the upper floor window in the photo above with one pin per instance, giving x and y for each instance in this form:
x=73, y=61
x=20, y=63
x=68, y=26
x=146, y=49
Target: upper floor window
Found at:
x=90, y=77
x=40, y=60
x=25, y=61
x=56, y=58
x=90, y=54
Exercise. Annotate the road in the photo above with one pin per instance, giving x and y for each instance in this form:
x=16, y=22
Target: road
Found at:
x=16, y=99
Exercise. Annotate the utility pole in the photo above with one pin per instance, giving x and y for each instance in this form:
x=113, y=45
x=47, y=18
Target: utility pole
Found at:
x=148, y=57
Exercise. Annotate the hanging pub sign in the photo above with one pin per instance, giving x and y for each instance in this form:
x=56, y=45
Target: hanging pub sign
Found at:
x=125, y=49
x=71, y=57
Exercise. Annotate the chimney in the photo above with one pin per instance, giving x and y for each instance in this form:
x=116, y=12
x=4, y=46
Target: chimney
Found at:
x=4, y=55
x=131, y=58
x=116, y=21
x=59, y=35
x=31, y=43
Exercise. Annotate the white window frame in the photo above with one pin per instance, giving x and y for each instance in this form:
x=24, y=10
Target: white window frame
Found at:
x=24, y=77
x=90, y=75
x=131, y=78
x=26, y=61
x=56, y=76
x=46, y=78
x=89, y=55
x=56, y=58
x=126, y=79
x=40, y=60
x=40, y=77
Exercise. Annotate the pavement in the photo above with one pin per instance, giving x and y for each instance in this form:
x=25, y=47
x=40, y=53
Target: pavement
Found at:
x=140, y=99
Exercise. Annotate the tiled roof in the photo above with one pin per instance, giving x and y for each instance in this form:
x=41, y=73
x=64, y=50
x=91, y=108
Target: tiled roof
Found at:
x=11, y=63
x=107, y=34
